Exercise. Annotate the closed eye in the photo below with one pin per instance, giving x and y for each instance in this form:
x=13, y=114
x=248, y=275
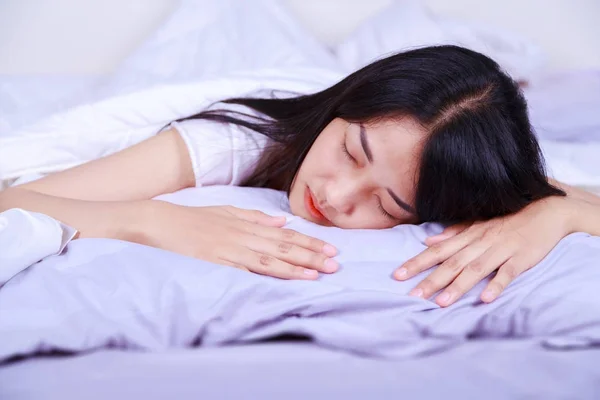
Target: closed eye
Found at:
x=347, y=153
x=382, y=210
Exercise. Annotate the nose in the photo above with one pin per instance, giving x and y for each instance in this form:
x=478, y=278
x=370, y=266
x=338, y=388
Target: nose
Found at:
x=342, y=195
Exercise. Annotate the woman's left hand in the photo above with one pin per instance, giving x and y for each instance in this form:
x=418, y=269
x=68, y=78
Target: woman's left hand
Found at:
x=469, y=253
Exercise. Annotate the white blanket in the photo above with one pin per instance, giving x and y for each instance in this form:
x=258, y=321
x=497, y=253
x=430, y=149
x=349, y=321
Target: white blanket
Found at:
x=209, y=50
x=101, y=128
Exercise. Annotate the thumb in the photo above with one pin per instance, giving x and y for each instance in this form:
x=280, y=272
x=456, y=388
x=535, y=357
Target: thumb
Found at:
x=259, y=217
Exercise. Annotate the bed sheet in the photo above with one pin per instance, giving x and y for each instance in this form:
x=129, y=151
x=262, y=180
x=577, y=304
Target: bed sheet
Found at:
x=27, y=98
x=300, y=370
x=563, y=109
x=106, y=293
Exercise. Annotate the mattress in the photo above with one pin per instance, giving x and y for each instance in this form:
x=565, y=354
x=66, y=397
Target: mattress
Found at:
x=291, y=369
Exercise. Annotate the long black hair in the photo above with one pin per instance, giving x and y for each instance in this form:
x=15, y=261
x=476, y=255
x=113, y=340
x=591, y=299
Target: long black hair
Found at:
x=480, y=159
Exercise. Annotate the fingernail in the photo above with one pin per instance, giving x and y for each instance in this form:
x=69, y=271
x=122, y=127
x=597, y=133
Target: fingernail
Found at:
x=487, y=295
x=401, y=273
x=331, y=265
x=310, y=272
x=329, y=250
x=444, y=298
x=417, y=292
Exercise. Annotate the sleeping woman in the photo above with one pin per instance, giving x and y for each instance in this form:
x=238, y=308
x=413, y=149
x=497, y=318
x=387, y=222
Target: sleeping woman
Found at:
x=434, y=134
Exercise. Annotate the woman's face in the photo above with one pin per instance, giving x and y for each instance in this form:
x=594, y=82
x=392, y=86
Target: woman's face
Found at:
x=360, y=175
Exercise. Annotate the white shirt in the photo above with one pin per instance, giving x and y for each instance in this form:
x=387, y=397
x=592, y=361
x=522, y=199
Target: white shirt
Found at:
x=221, y=153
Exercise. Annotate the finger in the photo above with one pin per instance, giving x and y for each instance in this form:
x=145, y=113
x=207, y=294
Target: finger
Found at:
x=506, y=274
x=449, y=232
x=257, y=217
x=238, y=266
x=449, y=270
x=472, y=274
x=291, y=253
x=433, y=255
x=265, y=264
x=293, y=237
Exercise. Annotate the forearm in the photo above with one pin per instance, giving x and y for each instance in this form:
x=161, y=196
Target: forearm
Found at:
x=582, y=208
x=116, y=220
x=585, y=217
x=576, y=193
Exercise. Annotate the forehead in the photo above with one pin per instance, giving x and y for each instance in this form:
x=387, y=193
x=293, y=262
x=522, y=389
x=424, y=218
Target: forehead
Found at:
x=396, y=145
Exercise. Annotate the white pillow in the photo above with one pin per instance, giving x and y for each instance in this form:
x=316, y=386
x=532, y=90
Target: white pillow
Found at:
x=408, y=24
x=210, y=38
x=106, y=293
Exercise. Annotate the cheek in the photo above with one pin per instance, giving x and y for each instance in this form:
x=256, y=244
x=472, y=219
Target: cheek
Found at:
x=367, y=217
x=320, y=161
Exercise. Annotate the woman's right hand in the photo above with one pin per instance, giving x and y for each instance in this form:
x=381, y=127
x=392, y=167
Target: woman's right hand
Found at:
x=247, y=239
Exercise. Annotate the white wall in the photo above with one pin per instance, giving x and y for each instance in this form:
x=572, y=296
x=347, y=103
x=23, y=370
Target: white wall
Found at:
x=74, y=36
x=92, y=36
x=568, y=30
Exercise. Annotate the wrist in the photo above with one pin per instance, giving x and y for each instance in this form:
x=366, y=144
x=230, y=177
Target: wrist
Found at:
x=130, y=222
x=581, y=216
x=569, y=209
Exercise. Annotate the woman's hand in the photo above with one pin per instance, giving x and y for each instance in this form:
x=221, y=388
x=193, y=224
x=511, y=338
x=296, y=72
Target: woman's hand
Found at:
x=245, y=239
x=468, y=253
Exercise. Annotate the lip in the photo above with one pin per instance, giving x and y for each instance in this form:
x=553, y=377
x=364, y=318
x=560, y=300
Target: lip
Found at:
x=312, y=206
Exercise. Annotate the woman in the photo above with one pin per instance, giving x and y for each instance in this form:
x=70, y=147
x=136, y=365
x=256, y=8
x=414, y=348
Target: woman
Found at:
x=434, y=134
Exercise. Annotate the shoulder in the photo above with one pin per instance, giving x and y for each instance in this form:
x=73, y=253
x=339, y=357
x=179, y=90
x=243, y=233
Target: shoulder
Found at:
x=221, y=153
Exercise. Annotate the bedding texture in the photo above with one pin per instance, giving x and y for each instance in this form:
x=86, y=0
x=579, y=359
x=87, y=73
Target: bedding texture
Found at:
x=407, y=24
x=493, y=369
x=111, y=294
x=28, y=237
x=182, y=68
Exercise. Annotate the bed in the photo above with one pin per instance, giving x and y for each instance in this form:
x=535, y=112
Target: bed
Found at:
x=496, y=370
x=123, y=108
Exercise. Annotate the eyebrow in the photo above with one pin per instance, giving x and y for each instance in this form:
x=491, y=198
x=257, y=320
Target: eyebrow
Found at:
x=367, y=149
x=365, y=143
x=401, y=203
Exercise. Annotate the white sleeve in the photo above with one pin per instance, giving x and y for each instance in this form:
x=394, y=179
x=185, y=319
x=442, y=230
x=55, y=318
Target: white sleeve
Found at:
x=221, y=153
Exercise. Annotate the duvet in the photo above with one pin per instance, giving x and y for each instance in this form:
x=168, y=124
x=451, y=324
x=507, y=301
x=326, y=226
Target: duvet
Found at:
x=101, y=293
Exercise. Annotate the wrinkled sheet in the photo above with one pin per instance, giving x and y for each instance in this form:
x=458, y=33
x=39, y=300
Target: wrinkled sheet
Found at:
x=485, y=369
x=108, y=293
